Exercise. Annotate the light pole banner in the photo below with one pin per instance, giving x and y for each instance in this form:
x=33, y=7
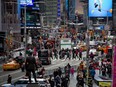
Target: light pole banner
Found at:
x=114, y=68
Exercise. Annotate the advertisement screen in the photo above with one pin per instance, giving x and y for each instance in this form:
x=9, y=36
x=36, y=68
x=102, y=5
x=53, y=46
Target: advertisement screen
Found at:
x=27, y=2
x=100, y=8
x=66, y=5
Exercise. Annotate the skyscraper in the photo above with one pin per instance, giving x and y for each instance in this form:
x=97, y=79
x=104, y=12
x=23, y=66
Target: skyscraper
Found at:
x=52, y=11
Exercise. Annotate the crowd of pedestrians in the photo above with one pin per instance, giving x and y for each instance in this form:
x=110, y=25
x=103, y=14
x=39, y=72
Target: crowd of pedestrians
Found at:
x=67, y=54
x=59, y=78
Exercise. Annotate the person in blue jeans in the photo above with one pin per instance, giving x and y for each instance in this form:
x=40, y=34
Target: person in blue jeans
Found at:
x=92, y=73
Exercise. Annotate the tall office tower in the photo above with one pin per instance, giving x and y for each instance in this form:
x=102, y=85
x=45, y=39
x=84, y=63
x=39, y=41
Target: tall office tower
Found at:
x=9, y=20
x=52, y=12
x=71, y=14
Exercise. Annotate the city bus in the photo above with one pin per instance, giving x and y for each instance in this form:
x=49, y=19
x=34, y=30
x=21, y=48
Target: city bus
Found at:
x=44, y=56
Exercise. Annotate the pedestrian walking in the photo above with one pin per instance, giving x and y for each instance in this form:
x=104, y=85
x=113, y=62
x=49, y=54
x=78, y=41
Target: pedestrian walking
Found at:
x=60, y=54
x=67, y=69
x=103, y=69
x=77, y=51
x=58, y=81
x=92, y=73
x=55, y=73
x=42, y=71
x=73, y=53
x=80, y=80
x=31, y=66
x=20, y=58
x=68, y=53
x=80, y=54
x=72, y=71
x=51, y=81
x=9, y=80
x=59, y=71
x=23, y=67
x=55, y=53
x=91, y=55
x=109, y=70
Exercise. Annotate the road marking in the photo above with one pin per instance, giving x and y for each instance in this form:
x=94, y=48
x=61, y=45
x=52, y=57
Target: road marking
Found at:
x=62, y=64
x=14, y=79
x=1, y=71
x=10, y=73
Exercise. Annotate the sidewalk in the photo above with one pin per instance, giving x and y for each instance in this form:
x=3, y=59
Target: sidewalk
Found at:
x=73, y=82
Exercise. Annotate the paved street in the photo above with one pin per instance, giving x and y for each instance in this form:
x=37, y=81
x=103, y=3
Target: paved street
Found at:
x=55, y=63
x=18, y=74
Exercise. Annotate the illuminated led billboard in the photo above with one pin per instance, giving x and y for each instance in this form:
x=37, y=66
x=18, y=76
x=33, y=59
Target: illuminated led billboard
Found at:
x=27, y=2
x=100, y=8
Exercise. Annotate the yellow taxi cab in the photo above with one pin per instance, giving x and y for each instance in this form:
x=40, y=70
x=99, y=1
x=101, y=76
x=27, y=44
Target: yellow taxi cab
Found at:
x=11, y=65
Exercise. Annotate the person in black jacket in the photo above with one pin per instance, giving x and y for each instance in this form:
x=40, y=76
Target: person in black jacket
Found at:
x=80, y=80
x=59, y=71
x=9, y=79
x=51, y=81
x=31, y=66
x=65, y=81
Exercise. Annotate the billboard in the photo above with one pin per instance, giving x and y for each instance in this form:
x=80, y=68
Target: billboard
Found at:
x=67, y=8
x=66, y=5
x=58, y=9
x=27, y=2
x=100, y=8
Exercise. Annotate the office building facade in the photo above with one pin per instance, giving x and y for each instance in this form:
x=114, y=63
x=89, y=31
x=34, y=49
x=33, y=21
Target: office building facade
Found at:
x=52, y=11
